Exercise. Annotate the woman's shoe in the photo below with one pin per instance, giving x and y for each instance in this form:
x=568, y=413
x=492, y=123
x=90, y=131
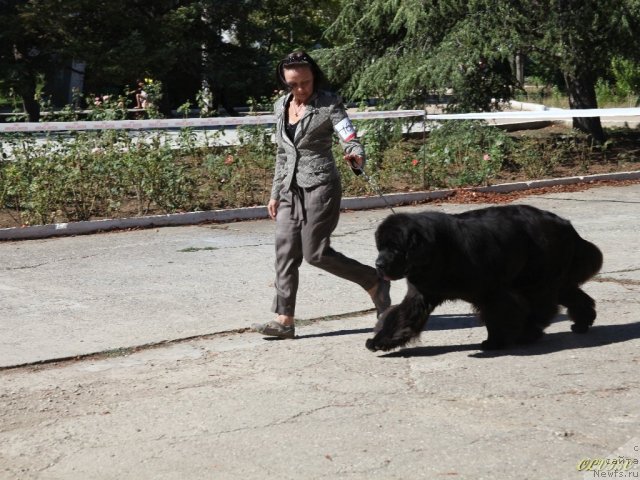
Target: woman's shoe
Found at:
x=275, y=329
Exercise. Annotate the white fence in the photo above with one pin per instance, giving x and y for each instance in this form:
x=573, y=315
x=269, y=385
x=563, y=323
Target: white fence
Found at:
x=221, y=122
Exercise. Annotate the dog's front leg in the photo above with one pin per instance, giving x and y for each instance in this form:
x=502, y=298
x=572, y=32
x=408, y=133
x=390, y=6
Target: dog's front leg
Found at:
x=402, y=322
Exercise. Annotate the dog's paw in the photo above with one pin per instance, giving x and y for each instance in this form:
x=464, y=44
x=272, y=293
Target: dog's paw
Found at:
x=370, y=344
x=385, y=343
x=579, y=328
x=376, y=346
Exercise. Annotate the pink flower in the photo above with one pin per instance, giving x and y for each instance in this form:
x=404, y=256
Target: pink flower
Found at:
x=228, y=160
x=486, y=157
x=415, y=162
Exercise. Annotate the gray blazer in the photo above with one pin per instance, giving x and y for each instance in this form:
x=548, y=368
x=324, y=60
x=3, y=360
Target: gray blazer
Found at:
x=309, y=159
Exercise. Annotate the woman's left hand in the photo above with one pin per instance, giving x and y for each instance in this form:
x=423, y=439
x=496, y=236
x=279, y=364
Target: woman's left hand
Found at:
x=272, y=208
x=355, y=161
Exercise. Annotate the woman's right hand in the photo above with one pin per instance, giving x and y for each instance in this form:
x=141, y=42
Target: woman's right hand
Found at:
x=272, y=208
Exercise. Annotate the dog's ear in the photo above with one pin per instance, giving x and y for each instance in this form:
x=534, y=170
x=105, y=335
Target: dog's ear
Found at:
x=419, y=244
x=414, y=239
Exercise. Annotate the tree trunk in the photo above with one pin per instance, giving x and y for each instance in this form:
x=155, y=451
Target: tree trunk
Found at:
x=220, y=95
x=27, y=90
x=582, y=95
x=518, y=66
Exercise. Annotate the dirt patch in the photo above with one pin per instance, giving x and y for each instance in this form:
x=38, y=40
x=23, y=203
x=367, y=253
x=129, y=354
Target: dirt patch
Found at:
x=468, y=195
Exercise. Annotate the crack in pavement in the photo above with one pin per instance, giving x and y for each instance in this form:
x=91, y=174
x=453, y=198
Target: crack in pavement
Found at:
x=124, y=351
x=37, y=265
x=620, y=281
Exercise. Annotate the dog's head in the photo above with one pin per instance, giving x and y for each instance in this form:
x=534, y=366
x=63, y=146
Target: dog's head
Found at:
x=402, y=242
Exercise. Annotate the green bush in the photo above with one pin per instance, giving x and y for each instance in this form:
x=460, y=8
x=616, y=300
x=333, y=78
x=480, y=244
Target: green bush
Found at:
x=59, y=178
x=537, y=158
x=460, y=153
x=627, y=77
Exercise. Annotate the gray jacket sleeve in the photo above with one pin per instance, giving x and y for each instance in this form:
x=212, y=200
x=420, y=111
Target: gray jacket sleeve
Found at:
x=280, y=170
x=346, y=131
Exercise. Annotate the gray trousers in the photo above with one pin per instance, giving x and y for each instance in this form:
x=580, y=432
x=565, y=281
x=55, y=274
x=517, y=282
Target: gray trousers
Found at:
x=305, y=220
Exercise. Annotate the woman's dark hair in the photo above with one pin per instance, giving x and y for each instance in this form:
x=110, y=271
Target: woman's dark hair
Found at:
x=300, y=58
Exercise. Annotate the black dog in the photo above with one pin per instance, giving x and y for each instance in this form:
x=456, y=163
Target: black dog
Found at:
x=515, y=264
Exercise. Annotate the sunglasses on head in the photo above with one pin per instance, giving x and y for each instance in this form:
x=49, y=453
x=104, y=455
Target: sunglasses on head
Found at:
x=296, y=58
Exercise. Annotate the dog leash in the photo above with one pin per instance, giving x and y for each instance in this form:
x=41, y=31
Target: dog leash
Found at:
x=372, y=183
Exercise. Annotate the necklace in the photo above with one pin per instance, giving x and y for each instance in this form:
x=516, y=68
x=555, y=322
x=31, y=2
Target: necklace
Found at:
x=298, y=109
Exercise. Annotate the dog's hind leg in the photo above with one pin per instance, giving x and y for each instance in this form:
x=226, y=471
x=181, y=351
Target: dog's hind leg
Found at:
x=505, y=318
x=542, y=305
x=540, y=315
x=580, y=307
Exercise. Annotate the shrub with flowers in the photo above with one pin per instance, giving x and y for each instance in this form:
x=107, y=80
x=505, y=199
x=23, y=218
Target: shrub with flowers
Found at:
x=464, y=153
x=99, y=174
x=153, y=89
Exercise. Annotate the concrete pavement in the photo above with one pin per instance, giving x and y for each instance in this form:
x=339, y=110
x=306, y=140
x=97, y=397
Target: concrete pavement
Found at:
x=205, y=398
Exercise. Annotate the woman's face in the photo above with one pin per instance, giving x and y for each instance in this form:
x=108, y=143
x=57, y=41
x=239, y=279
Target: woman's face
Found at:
x=300, y=81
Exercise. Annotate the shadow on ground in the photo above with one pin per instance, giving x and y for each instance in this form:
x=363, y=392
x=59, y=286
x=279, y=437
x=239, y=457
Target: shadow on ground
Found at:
x=436, y=322
x=597, y=336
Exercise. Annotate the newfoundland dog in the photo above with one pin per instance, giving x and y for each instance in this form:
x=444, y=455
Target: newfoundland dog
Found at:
x=515, y=264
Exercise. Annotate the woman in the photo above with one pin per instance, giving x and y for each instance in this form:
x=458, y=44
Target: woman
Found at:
x=306, y=192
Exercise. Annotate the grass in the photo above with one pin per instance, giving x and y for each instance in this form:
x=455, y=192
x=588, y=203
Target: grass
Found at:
x=551, y=96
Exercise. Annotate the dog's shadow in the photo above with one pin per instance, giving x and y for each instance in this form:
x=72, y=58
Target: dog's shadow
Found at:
x=452, y=322
x=597, y=336
x=436, y=322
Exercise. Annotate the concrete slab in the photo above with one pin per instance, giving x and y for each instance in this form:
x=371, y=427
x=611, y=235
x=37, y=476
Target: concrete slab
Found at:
x=77, y=295
x=231, y=404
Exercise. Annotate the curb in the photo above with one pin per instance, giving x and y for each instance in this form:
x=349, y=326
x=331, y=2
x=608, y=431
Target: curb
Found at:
x=257, y=213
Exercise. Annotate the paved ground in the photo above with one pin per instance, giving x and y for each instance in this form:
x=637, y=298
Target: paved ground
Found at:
x=225, y=403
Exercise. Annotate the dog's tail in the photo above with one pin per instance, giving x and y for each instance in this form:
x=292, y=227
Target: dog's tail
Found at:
x=587, y=261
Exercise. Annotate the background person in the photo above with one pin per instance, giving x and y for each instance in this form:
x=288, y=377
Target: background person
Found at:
x=142, y=97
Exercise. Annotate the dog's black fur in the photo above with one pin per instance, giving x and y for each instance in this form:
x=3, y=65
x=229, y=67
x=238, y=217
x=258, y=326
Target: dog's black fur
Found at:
x=515, y=264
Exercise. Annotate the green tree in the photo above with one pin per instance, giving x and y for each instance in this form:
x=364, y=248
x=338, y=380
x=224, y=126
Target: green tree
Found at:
x=120, y=40
x=229, y=47
x=579, y=38
x=281, y=26
x=249, y=38
x=403, y=50
x=26, y=52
